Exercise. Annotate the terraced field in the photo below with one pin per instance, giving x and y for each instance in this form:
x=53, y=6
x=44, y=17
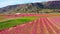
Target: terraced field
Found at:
x=32, y=24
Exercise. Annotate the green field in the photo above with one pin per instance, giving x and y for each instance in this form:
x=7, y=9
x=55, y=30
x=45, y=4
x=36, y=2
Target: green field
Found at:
x=16, y=21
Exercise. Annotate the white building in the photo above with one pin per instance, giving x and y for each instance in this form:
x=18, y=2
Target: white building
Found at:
x=18, y=13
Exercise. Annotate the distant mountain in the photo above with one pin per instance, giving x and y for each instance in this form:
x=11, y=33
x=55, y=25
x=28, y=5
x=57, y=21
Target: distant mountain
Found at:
x=30, y=7
x=53, y=4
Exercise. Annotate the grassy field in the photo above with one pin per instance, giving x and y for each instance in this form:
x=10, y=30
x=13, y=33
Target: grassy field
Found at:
x=14, y=22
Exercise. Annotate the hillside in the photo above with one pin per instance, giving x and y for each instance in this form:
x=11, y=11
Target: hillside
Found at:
x=43, y=7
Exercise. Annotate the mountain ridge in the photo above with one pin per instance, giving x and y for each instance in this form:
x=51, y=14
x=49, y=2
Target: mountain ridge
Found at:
x=30, y=7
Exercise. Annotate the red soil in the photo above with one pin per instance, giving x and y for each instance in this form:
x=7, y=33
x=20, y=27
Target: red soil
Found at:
x=43, y=25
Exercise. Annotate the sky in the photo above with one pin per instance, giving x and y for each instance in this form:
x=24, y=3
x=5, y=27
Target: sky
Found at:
x=4, y=3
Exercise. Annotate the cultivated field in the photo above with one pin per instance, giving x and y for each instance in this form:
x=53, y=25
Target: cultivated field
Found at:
x=30, y=24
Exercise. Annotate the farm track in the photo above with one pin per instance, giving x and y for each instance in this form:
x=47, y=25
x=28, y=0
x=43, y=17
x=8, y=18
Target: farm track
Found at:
x=43, y=25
